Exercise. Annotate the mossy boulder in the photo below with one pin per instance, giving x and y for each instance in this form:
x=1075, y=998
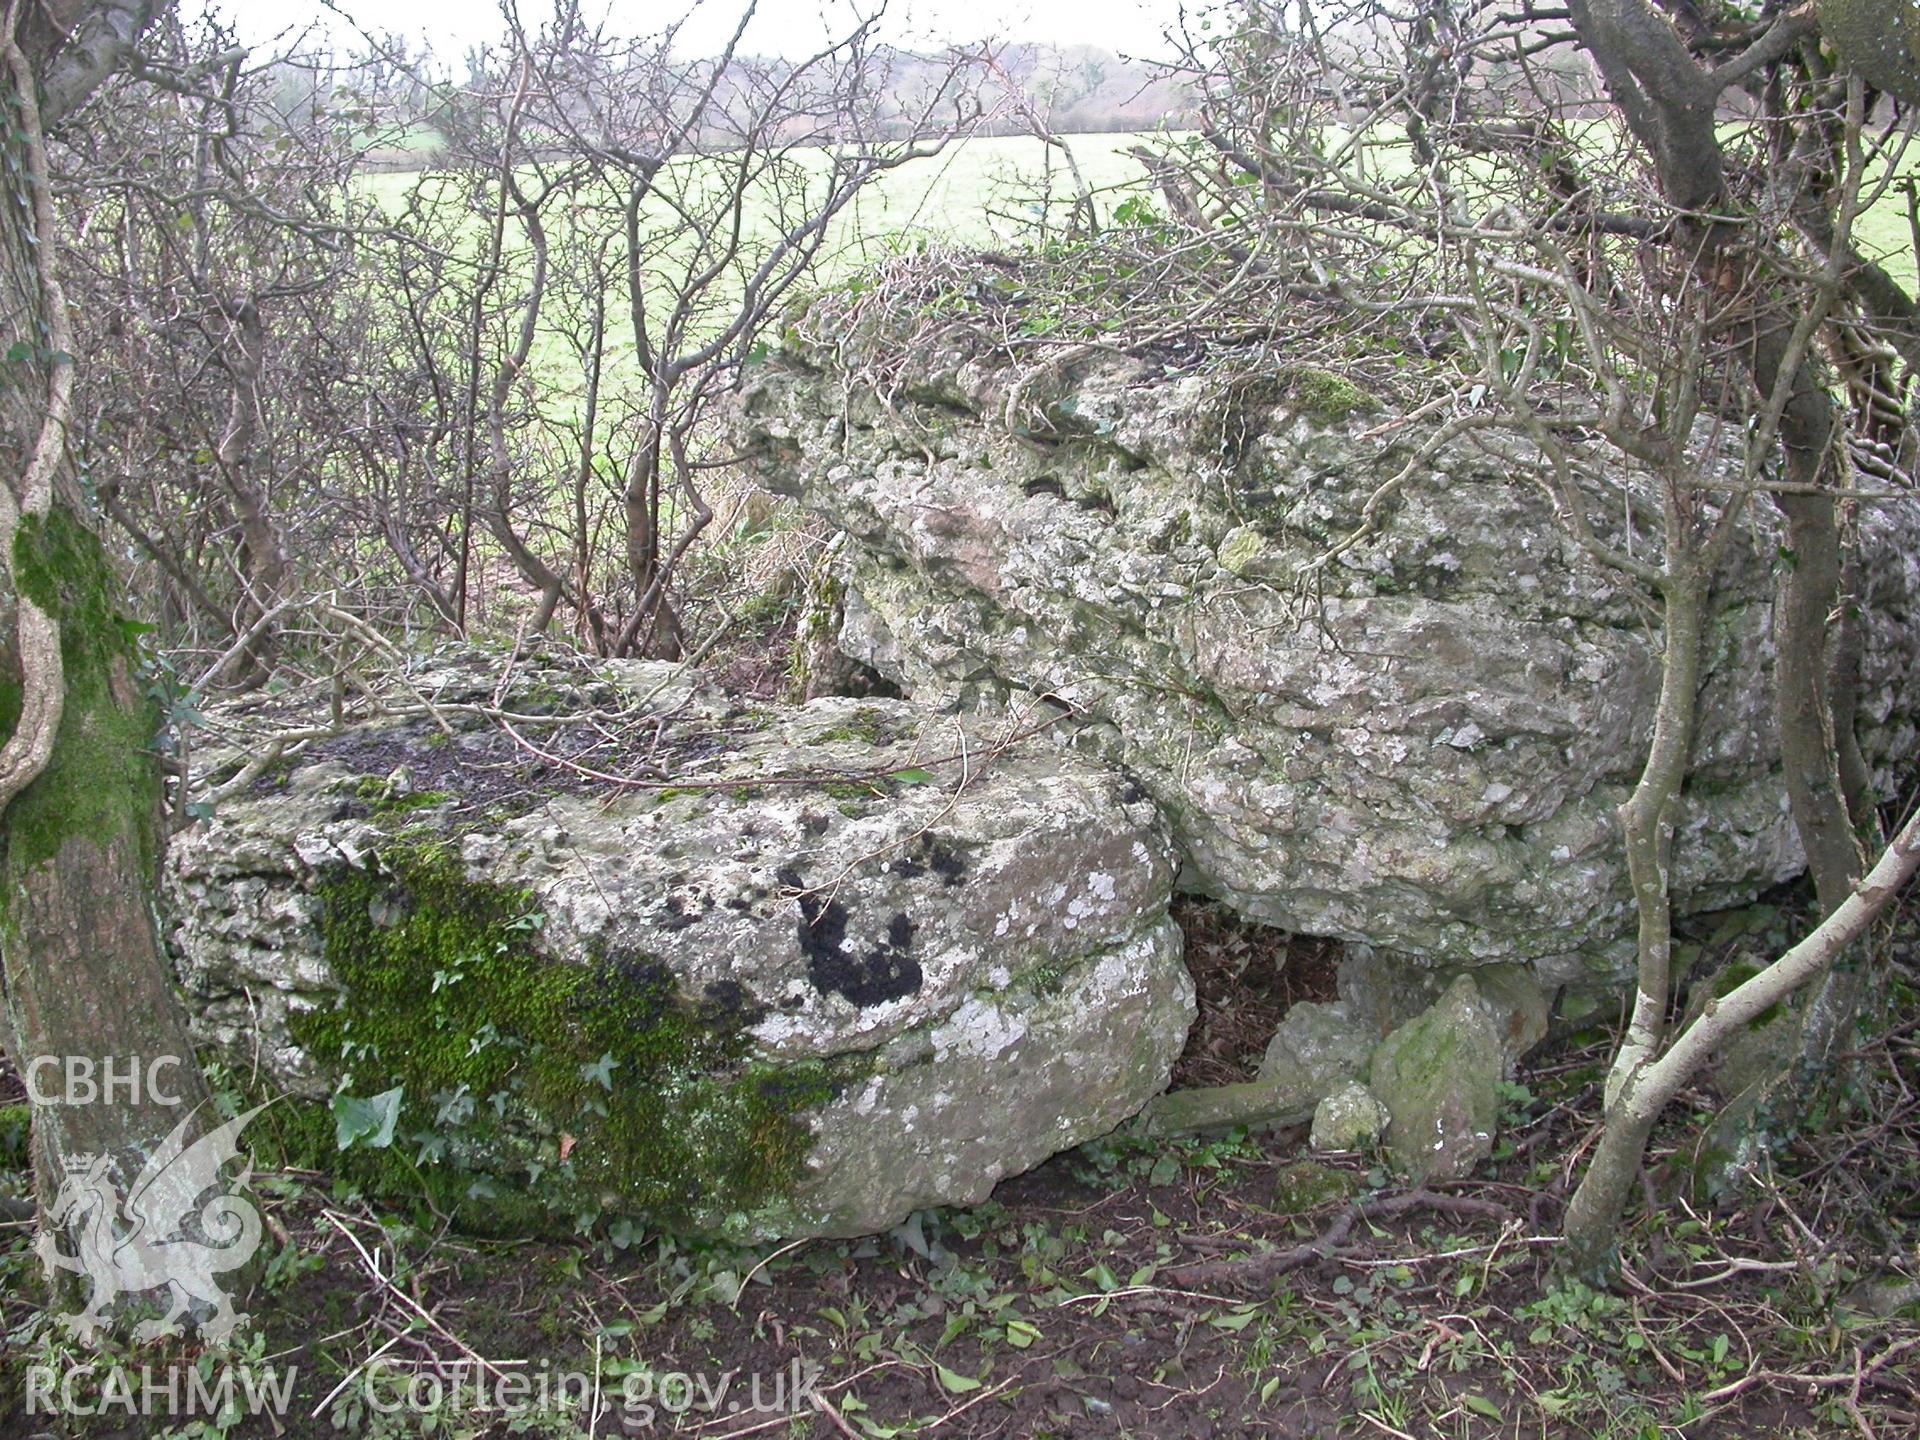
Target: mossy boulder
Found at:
x=1439, y=1078
x=1303, y=1186
x=853, y=959
x=1878, y=38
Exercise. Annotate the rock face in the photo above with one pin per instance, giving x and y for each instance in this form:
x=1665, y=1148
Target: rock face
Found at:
x=1319, y=1046
x=841, y=962
x=1419, y=745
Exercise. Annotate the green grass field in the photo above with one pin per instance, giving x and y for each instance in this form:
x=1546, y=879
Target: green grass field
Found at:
x=1884, y=236
x=998, y=192
x=989, y=191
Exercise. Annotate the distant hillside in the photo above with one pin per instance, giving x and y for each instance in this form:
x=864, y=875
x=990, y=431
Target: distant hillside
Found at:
x=1073, y=89
x=1079, y=89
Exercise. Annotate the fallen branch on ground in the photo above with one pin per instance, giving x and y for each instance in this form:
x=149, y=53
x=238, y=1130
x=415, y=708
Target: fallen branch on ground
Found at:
x=1247, y=1270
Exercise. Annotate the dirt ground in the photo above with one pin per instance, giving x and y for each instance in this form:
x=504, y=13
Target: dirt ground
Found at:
x=1231, y=1286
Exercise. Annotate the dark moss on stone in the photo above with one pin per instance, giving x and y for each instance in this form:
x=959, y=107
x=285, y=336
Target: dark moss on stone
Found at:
x=929, y=854
x=886, y=971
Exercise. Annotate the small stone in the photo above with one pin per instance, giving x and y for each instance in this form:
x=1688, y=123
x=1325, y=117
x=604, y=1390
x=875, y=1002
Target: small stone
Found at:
x=1884, y=1298
x=1439, y=1076
x=1351, y=1118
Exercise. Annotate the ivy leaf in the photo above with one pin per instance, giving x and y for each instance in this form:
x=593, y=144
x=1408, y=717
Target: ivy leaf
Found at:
x=1021, y=1334
x=366, y=1122
x=955, y=1383
x=601, y=1071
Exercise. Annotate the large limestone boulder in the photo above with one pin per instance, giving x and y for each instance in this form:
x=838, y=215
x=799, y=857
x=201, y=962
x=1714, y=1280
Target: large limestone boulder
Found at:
x=831, y=964
x=1420, y=745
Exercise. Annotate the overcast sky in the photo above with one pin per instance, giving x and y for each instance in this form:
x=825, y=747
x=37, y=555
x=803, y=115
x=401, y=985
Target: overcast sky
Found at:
x=788, y=27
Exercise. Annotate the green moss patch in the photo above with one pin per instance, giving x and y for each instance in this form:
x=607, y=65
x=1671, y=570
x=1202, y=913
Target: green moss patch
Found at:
x=101, y=780
x=1325, y=396
x=383, y=798
x=531, y=1087
x=16, y=1135
x=866, y=726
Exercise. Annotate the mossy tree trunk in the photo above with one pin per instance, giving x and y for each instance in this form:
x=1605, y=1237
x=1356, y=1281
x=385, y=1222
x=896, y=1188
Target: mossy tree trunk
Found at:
x=80, y=953
x=83, y=968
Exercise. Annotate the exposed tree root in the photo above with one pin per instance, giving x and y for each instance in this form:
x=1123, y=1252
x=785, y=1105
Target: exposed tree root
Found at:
x=1247, y=1270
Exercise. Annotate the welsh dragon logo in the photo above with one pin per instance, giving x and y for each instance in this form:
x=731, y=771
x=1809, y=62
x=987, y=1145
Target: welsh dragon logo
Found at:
x=166, y=1232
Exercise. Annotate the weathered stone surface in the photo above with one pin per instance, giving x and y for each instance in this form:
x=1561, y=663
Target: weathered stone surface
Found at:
x=1317, y=1047
x=1420, y=746
x=1350, y=1118
x=1516, y=1006
x=741, y=1001
x=1221, y=1107
x=1438, y=1076
x=818, y=665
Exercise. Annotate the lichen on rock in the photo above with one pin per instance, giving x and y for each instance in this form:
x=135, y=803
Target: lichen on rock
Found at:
x=1349, y=1118
x=728, y=1002
x=1417, y=744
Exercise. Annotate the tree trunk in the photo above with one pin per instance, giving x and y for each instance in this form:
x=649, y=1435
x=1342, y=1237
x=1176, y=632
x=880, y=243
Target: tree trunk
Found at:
x=1592, y=1224
x=1669, y=103
x=88, y=1001
x=84, y=972
x=1648, y=818
x=267, y=565
x=1590, y=1230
